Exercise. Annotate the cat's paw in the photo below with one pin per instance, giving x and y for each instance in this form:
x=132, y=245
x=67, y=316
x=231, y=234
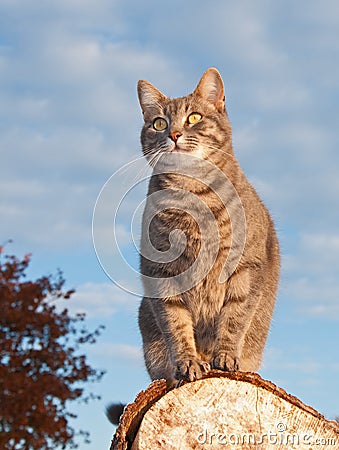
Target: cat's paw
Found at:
x=225, y=361
x=191, y=369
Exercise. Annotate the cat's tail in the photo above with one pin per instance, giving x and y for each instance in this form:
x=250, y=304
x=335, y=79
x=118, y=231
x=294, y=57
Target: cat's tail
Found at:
x=114, y=412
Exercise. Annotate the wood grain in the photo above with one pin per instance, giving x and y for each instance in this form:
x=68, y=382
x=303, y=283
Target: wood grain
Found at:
x=236, y=410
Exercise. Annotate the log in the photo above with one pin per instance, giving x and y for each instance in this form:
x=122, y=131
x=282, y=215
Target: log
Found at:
x=237, y=410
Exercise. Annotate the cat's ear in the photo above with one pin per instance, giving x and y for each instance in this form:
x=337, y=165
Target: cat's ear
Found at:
x=149, y=96
x=211, y=88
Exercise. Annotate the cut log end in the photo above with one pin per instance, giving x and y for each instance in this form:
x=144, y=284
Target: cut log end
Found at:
x=222, y=410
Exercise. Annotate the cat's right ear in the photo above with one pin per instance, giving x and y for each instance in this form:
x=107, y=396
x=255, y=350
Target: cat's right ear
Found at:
x=149, y=96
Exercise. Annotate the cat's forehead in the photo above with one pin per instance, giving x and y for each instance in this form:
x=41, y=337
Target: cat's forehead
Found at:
x=180, y=105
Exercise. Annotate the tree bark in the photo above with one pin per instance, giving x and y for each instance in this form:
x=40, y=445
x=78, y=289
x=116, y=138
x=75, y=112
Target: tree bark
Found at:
x=235, y=410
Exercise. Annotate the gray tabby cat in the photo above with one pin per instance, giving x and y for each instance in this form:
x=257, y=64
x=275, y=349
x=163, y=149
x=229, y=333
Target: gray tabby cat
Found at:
x=216, y=315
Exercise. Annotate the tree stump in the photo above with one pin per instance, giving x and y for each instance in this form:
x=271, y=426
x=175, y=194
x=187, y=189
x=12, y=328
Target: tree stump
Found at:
x=235, y=410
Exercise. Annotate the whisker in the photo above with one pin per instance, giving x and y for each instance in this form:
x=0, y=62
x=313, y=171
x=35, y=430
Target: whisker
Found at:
x=126, y=167
x=212, y=147
x=155, y=158
x=140, y=173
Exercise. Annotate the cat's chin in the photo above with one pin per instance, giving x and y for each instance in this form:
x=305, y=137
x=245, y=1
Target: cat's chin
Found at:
x=182, y=150
x=175, y=148
x=196, y=152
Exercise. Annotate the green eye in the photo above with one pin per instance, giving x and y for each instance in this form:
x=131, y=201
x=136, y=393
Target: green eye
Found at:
x=194, y=118
x=160, y=124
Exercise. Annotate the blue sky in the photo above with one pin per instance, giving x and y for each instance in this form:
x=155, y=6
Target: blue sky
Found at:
x=69, y=119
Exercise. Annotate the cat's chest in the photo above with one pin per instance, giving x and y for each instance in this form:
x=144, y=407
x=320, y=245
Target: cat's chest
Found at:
x=206, y=299
x=186, y=207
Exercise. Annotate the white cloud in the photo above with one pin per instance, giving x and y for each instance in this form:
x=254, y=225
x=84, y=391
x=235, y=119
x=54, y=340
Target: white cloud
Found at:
x=100, y=300
x=325, y=244
x=123, y=352
x=46, y=215
x=69, y=115
x=296, y=361
x=310, y=277
x=323, y=310
x=316, y=253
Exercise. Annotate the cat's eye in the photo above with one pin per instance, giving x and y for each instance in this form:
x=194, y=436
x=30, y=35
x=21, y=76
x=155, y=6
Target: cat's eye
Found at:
x=160, y=124
x=194, y=118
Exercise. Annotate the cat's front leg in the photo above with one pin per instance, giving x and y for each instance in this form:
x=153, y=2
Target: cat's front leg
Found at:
x=233, y=322
x=228, y=361
x=176, y=325
x=191, y=369
x=230, y=338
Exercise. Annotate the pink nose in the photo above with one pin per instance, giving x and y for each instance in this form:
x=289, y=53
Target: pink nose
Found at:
x=175, y=135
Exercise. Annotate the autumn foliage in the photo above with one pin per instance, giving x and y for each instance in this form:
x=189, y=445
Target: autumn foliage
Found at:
x=41, y=369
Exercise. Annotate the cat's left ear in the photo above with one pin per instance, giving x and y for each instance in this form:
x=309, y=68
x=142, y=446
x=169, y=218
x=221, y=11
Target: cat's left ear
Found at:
x=211, y=88
x=149, y=96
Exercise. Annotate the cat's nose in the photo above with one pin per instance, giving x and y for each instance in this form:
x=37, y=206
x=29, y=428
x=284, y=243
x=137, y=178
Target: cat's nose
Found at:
x=175, y=135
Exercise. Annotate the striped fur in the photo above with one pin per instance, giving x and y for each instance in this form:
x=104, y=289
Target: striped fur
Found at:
x=217, y=322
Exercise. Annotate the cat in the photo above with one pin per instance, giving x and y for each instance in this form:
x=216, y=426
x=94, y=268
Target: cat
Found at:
x=216, y=315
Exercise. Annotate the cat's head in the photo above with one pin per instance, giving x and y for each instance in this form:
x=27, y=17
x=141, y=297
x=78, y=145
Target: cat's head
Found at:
x=196, y=124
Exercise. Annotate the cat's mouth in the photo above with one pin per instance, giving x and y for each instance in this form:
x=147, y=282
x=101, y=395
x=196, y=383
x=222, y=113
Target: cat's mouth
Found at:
x=180, y=148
